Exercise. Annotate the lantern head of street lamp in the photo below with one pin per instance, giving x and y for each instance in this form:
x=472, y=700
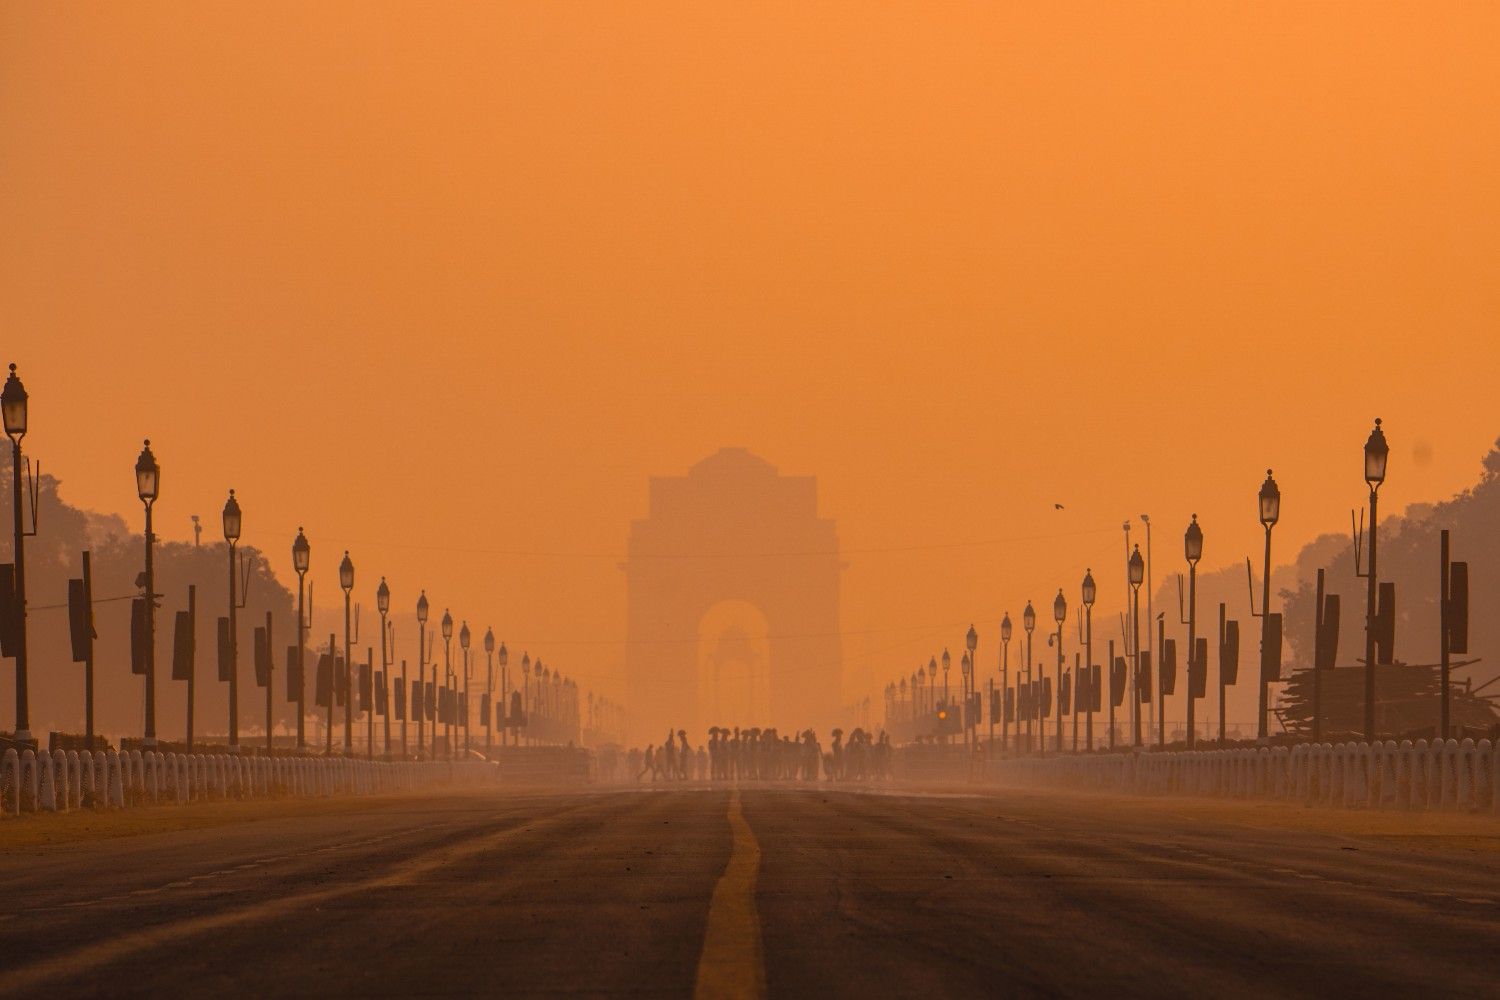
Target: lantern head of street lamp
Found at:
x=903, y=685
x=231, y=519
x=13, y=406
x=447, y=625
x=1028, y=618
x=147, y=475
x=504, y=655
x=1090, y=591
x=1192, y=542
x=346, y=573
x=921, y=675
x=947, y=660
x=301, y=553
x=1376, y=453
x=972, y=639
x=1270, y=501
x=383, y=598
x=422, y=608
x=1137, y=568
x=525, y=663
x=1006, y=628
x=489, y=640
x=464, y=637
x=966, y=664
x=1059, y=607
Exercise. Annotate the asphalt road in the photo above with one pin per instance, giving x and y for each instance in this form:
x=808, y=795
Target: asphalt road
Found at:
x=799, y=892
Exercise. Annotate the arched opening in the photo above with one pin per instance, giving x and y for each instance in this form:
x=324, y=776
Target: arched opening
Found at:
x=734, y=665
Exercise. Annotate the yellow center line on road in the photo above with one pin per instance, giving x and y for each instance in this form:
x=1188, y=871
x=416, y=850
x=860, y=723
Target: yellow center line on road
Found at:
x=732, y=964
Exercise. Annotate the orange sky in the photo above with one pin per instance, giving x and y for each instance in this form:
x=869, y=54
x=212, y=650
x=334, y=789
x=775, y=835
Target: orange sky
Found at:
x=447, y=282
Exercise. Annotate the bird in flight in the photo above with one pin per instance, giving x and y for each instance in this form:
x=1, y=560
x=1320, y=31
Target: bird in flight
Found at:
x=1057, y=506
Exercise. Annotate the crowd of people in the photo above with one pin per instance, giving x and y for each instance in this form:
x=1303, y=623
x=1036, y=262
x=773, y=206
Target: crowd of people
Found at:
x=762, y=755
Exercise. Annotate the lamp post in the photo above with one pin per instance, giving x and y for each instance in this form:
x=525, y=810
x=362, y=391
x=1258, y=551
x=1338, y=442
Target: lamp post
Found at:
x=489, y=688
x=301, y=560
x=1270, y=513
x=1151, y=651
x=947, y=705
x=971, y=643
x=13, y=406
x=1136, y=575
x=464, y=638
x=1028, y=622
x=1192, y=547
x=1005, y=633
x=447, y=627
x=1090, y=592
x=1059, y=612
x=1377, y=452
x=525, y=696
x=346, y=582
x=231, y=519
x=147, y=484
x=966, y=667
x=419, y=703
x=383, y=605
x=504, y=689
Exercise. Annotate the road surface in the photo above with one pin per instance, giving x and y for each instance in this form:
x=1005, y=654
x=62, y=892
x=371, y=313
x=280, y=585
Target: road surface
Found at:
x=791, y=892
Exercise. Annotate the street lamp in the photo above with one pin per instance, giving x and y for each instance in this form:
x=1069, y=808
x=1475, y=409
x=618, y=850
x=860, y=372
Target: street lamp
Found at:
x=419, y=703
x=1028, y=623
x=447, y=628
x=504, y=689
x=966, y=670
x=464, y=639
x=525, y=695
x=346, y=583
x=301, y=561
x=971, y=643
x=1270, y=513
x=1006, y=629
x=383, y=606
x=147, y=484
x=13, y=407
x=1060, y=613
x=947, y=661
x=489, y=688
x=1090, y=592
x=232, y=521
x=1377, y=452
x=1192, y=549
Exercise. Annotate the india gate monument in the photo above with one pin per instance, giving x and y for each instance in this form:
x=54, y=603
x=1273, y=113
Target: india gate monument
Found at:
x=732, y=602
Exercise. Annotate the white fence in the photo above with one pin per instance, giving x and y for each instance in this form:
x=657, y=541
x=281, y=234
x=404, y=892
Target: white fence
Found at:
x=1445, y=774
x=57, y=781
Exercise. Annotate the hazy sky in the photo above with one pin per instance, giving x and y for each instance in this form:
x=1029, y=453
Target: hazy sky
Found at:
x=446, y=283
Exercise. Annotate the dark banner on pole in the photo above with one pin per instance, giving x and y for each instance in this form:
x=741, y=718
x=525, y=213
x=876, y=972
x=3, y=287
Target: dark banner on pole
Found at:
x=262, y=657
x=400, y=699
x=1143, y=679
x=182, y=647
x=223, y=636
x=293, y=675
x=1270, y=651
x=1327, y=640
x=1169, y=667
x=340, y=680
x=1097, y=686
x=324, y=690
x=78, y=621
x=1229, y=651
x=1117, y=677
x=138, y=636
x=10, y=635
x=430, y=702
x=380, y=693
x=365, y=681
x=1198, y=671
x=1458, y=607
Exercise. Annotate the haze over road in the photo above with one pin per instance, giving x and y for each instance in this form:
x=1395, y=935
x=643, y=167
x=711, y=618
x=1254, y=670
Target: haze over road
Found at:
x=843, y=892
